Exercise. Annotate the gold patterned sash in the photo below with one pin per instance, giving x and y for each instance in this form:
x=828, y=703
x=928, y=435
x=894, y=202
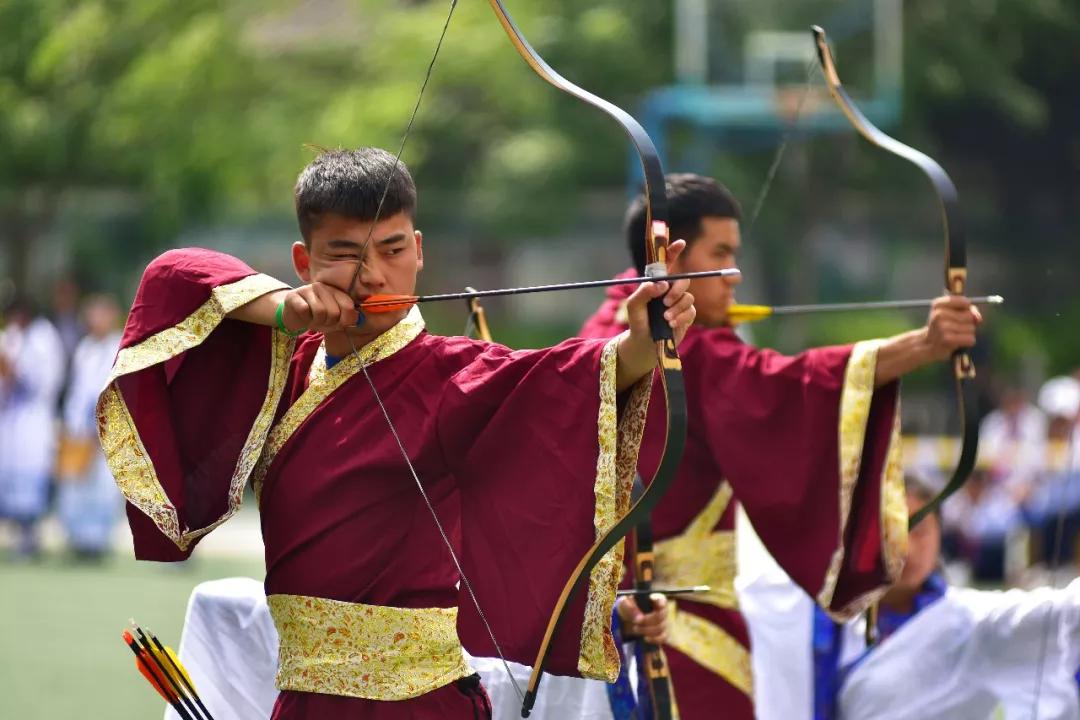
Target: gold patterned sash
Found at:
x=365, y=651
x=703, y=556
x=712, y=647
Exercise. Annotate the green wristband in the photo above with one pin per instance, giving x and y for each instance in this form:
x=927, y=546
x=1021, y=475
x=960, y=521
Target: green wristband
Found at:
x=279, y=316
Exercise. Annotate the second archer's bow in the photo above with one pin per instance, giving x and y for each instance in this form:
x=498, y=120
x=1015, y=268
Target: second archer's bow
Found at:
x=955, y=265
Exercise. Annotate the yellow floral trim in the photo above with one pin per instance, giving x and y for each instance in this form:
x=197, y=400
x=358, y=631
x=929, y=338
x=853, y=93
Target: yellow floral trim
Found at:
x=700, y=556
x=124, y=451
x=195, y=328
x=619, y=440
x=365, y=651
x=894, y=509
x=712, y=647
x=133, y=469
x=855, y=402
x=130, y=463
x=323, y=382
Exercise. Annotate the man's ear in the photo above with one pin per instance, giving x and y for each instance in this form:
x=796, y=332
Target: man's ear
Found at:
x=301, y=260
x=419, y=249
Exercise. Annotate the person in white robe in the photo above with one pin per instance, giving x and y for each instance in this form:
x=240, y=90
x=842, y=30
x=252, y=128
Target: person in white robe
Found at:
x=31, y=376
x=944, y=653
x=229, y=646
x=88, y=501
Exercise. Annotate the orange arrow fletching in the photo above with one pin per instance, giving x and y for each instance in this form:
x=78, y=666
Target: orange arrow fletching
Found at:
x=149, y=670
x=387, y=303
x=153, y=676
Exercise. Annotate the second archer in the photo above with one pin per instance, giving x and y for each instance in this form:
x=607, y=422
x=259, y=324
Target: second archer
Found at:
x=808, y=444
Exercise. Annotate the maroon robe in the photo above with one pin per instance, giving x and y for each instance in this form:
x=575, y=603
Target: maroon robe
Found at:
x=505, y=444
x=769, y=425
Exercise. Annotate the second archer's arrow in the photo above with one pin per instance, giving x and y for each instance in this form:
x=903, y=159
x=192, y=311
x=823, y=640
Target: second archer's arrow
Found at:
x=750, y=313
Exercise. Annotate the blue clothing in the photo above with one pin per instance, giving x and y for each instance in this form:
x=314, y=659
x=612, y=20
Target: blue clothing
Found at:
x=828, y=642
x=625, y=705
x=621, y=693
x=90, y=507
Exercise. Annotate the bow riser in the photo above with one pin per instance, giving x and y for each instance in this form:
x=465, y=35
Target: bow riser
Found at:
x=655, y=664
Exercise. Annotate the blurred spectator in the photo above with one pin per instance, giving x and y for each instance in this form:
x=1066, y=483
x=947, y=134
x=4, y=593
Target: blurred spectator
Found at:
x=65, y=314
x=1012, y=439
x=31, y=373
x=984, y=524
x=978, y=521
x=88, y=501
x=1055, y=500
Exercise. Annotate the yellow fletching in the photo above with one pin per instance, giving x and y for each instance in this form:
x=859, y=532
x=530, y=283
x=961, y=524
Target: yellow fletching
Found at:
x=175, y=668
x=179, y=665
x=748, y=313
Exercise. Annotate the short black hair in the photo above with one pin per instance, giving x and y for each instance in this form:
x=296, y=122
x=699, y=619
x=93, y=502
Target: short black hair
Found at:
x=351, y=183
x=690, y=198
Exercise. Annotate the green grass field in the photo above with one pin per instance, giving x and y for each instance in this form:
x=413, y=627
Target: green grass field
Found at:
x=61, y=655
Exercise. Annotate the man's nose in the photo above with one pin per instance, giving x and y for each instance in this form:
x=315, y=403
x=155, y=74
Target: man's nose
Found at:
x=371, y=276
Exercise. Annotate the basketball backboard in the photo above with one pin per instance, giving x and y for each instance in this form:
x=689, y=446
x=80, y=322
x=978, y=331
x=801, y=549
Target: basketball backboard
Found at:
x=749, y=66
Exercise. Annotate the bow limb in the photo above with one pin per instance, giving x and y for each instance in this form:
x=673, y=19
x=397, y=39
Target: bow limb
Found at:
x=671, y=380
x=955, y=264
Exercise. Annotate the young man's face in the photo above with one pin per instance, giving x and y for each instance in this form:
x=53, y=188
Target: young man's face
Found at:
x=715, y=248
x=393, y=257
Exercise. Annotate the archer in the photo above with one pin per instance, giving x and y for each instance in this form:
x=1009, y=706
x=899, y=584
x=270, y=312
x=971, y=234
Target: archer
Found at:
x=808, y=445
x=389, y=464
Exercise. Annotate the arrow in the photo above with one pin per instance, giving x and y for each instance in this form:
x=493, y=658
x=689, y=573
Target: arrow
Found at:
x=669, y=592
x=390, y=303
x=163, y=670
x=752, y=313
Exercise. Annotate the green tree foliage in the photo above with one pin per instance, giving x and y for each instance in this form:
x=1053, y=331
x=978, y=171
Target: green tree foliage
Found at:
x=153, y=99
x=188, y=110
x=125, y=124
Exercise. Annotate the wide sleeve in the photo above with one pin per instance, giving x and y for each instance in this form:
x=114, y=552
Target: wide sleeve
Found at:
x=190, y=398
x=544, y=454
x=812, y=451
